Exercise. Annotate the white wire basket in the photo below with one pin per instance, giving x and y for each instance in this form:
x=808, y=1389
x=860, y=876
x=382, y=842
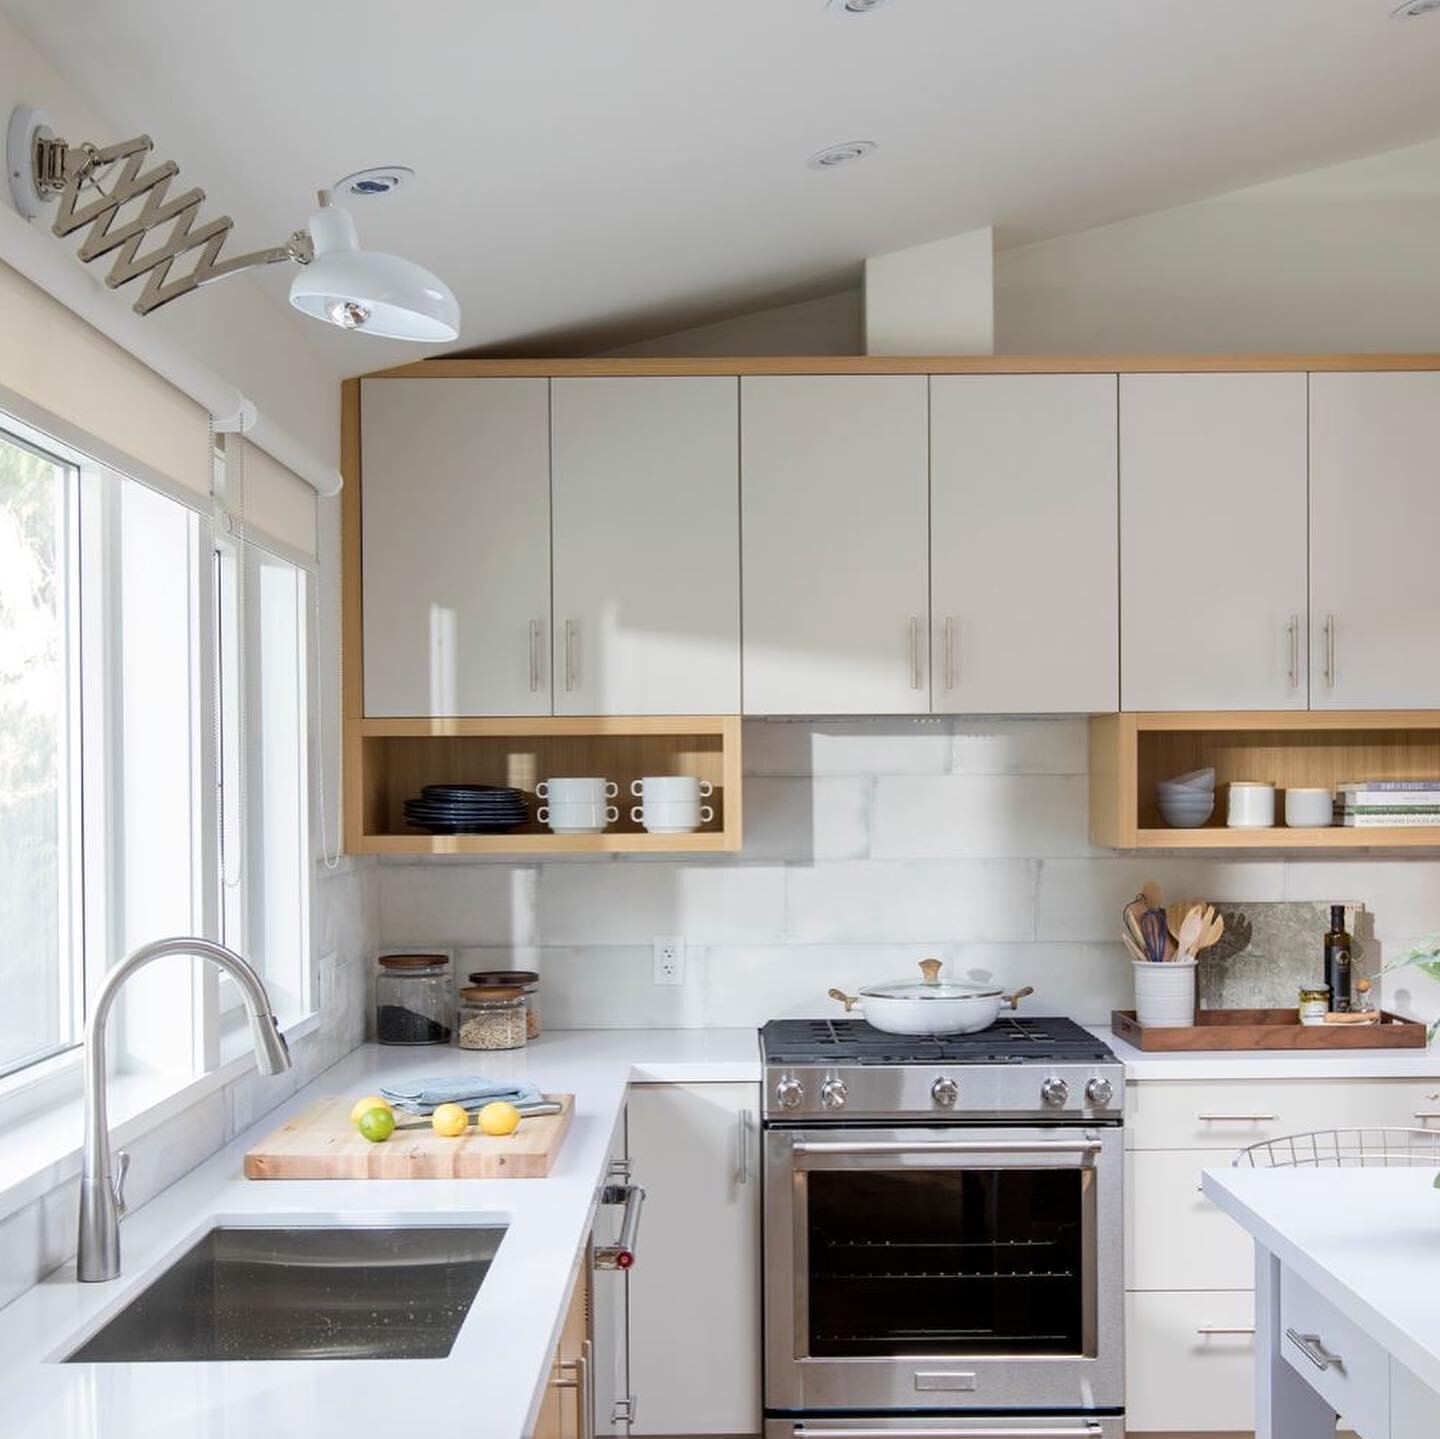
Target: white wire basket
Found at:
x=1345, y=1149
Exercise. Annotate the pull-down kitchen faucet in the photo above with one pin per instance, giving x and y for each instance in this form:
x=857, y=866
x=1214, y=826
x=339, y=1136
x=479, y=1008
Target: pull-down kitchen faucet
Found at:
x=101, y=1192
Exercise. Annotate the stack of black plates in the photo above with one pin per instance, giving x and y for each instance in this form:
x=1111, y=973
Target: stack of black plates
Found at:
x=467, y=809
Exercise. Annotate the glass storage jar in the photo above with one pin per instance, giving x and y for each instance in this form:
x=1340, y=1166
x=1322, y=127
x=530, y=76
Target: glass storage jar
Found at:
x=527, y=981
x=414, y=999
x=492, y=1017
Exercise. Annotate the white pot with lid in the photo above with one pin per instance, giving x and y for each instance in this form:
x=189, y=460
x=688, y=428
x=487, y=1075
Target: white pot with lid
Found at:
x=930, y=1005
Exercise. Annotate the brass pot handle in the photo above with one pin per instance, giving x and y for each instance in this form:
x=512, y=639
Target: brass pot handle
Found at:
x=848, y=1000
x=930, y=968
x=1013, y=1000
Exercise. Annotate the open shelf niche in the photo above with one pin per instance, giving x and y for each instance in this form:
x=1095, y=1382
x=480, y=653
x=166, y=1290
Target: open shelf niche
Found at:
x=1130, y=752
x=390, y=759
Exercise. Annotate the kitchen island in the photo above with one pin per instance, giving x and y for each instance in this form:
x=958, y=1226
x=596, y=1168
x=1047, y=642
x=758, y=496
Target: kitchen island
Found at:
x=489, y=1386
x=1347, y=1298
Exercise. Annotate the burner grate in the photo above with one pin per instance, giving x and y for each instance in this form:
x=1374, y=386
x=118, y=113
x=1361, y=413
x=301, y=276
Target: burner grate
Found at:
x=1010, y=1040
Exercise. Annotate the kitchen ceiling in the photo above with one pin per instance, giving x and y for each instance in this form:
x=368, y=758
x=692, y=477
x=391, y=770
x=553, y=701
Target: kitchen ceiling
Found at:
x=596, y=169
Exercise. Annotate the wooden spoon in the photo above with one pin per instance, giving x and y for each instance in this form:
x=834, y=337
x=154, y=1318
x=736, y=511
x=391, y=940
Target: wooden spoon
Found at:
x=1175, y=914
x=1189, y=933
x=1151, y=892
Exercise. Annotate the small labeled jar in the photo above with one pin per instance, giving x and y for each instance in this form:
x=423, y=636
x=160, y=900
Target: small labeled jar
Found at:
x=527, y=981
x=414, y=999
x=1314, y=1004
x=492, y=1017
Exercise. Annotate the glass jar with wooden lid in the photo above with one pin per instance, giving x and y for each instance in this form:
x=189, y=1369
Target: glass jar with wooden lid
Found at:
x=414, y=999
x=492, y=1017
x=527, y=981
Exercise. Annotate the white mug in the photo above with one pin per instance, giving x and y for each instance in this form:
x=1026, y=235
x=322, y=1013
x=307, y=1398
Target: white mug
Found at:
x=577, y=791
x=671, y=818
x=1251, y=806
x=576, y=818
x=671, y=789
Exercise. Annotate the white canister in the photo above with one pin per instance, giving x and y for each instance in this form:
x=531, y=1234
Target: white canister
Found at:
x=1165, y=992
x=1251, y=806
x=1309, y=808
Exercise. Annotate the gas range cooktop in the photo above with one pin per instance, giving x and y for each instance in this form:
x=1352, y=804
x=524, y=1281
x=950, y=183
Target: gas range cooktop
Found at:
x=1010, y=1040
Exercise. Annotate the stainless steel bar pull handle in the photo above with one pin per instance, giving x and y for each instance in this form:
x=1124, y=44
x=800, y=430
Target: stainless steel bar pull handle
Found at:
x=621, y=1254
x=1207, y=1330
x=1234, y=1118
x=534, y=656
x=949, y=652
x=1293, y=630
x=1311, y=1347
x=569, y=656
x=946, y=1146
x=917, y=660
x=1329, y=630
x=742, y=1151
x=1086, y=1430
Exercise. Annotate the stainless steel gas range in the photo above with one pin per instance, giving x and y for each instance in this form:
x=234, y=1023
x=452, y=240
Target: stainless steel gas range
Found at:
x=942, y=1233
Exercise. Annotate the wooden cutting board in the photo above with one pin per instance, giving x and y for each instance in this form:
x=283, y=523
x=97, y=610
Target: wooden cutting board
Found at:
x=321, y=1143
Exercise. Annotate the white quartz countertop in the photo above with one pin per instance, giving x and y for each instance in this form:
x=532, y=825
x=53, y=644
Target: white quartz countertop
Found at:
x=1274, y=1063
x=1367, y=1239
x=490, y=1385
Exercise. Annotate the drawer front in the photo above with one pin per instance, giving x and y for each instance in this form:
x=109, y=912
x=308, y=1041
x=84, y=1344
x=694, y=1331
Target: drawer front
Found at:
x=1175, y=1238
x=1414, y=1407
x=1189, y=1362
x=1334, y=1356
x=1229, y=1114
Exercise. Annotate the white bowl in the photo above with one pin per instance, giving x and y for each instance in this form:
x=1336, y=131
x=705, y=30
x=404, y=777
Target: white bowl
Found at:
x=1186, y=814
x=1201, y=779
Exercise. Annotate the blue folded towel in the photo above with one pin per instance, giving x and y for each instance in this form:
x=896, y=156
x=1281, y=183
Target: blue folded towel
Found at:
x=421, y=1096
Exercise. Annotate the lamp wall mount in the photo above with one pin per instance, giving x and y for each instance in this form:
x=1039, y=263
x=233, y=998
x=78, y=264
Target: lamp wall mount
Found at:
x=92, y=184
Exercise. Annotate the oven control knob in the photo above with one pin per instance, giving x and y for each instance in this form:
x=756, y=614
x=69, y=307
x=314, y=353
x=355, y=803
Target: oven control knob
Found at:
x=789, y=1092
x=1099, y=1093
x=1054, y=1091
x=945, y=1092
x=833, y=1093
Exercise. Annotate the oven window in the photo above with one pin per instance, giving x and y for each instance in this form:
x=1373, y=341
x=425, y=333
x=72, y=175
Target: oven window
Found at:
x=950, y=1262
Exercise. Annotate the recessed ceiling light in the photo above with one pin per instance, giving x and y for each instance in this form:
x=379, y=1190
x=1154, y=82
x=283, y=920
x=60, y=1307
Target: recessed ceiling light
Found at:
x=1414, y=9
x=857, y=7
x=374, y=181
x=834, y=156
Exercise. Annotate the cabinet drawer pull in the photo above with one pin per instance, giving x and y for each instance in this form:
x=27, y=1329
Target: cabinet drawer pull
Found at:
x=949, y=652
x=1234, y=1118
x=742, y=1152
x=534, y=656
x=1206, y=1330
x=569, y=656
x=1427, y=1114
x=917, y=671
x=1311, y=1347
x=1293, y=631
x=1329, y=632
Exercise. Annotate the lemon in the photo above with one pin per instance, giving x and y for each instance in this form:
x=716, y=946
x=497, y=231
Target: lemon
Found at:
x=362, y=1106
x=449, y=1121
x=499, y=1118
x=377, y=1124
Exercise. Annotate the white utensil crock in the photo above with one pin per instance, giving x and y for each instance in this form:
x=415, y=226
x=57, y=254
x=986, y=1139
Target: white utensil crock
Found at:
x=1165, y=992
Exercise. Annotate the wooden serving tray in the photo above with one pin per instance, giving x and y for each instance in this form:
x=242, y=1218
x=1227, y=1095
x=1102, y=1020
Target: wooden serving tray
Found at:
x=1266, y=1029
x=321, y=1143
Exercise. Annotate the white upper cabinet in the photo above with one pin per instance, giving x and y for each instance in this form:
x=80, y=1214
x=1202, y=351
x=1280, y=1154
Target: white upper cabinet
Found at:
x=646, y=497
x=1023, y=544
x=1374, y=518
x=835, y=544
x=1213, y=548
x=455, y=526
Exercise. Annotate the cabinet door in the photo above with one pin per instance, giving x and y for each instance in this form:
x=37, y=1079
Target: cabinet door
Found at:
x=835, y=544
x=647, y=546
x=695, y=1287
x=1212, y=542
x=455, y=520
x=1023, y=544
x=1190, y=1363
x=1414, y=1407
x=1374, y=516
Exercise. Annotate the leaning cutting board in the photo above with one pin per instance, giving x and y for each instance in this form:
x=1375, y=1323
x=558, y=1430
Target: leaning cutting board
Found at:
x=321, y=1143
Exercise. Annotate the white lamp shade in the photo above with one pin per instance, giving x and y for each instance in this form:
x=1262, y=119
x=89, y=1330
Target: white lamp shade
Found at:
x=367, y=290
x=398, y=299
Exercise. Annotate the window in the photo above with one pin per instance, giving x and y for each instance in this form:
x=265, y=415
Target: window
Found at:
x=154, y=754
x=38, y=794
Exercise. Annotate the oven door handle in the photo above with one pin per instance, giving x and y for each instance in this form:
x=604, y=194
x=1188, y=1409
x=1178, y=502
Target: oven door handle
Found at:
x=1088, y=1430
x=946, y=1146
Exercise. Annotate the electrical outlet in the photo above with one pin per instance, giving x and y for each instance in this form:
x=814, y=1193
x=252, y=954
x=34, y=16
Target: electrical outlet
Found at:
x=670, y=959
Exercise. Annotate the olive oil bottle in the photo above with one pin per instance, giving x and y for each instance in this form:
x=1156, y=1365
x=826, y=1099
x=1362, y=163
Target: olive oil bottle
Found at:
x=1338, y=947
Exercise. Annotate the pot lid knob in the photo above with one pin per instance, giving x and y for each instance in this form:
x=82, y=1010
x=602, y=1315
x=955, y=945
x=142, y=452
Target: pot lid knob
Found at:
x=930, y=968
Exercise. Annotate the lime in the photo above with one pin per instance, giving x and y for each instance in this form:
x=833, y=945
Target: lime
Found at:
x=377, y=1124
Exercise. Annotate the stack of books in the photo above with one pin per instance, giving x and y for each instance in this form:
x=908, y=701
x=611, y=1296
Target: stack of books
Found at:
x=1380, y=803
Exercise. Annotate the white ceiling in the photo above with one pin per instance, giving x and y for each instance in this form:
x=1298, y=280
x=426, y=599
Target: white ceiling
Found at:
x=598, y=167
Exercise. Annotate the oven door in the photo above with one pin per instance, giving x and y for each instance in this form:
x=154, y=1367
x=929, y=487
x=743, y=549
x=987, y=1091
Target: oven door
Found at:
x=944, y=1269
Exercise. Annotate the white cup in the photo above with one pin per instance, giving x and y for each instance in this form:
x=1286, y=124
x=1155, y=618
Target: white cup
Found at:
x=671, y=817
x=1251, y=806
x=671, y=789
x=571, y=817
x=577, y=791
x=1309, y=808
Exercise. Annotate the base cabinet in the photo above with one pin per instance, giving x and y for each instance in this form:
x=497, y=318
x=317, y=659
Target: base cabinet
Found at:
x=694, y=1293
x=566, y=1408
x=1190, y=1362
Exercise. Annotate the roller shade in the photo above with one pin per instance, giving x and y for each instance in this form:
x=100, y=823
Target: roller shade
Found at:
x=271, y=502
x=55, y=360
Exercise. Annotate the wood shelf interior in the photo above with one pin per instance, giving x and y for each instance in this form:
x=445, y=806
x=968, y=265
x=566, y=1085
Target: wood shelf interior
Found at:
x=1304, y=749
x=396, y=766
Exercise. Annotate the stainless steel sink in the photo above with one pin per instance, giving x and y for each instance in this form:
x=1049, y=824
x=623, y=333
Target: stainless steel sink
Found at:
x=304, y=1293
